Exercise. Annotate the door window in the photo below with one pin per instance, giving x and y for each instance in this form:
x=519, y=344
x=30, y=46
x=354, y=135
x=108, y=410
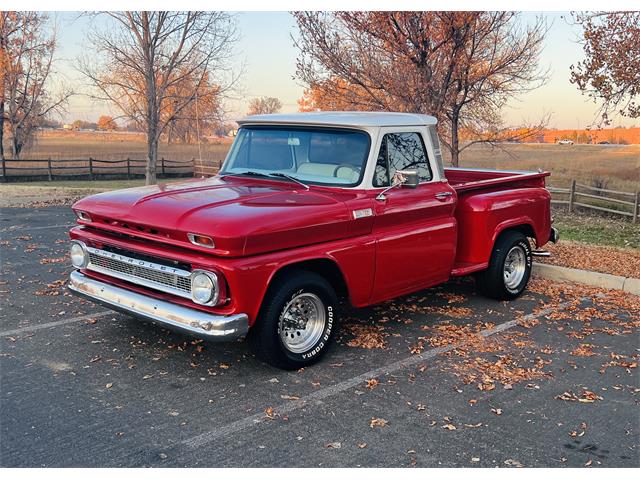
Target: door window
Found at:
x=401, y=151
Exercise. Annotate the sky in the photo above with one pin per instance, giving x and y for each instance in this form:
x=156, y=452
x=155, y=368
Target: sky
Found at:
x=266, y=56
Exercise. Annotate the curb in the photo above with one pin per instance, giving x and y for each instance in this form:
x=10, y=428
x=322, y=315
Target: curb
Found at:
x=596, y=279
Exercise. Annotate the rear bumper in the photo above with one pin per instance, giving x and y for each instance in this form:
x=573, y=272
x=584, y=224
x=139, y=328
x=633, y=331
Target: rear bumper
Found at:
x=195, y=322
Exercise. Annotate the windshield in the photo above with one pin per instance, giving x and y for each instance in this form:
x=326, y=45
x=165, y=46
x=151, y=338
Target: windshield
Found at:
x=311, y=155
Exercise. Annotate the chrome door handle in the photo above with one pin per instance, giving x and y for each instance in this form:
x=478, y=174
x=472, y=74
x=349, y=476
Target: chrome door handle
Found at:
x=443, y=195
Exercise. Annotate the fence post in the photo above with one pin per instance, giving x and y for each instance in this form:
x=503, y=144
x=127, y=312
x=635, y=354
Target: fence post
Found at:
x=90, y=168
x=49, y=168
x=193, y=160
x=572, y=194
x=636, y=208
x=162, y=165
x=128, y=169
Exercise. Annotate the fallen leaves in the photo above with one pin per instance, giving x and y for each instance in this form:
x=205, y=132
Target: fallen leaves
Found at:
x=52, y=289
x=486, y=386
x=372, y=383
x=334, y=445
x=584, y=350
x=618, y=360
x=598, y=258
x=583, y=430
x=366, y=336
x=586, y=396
x=47, y=261
x=378, y=422
x=451, y=297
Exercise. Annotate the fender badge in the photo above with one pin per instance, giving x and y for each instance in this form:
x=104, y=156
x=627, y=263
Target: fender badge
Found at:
x=365, y=212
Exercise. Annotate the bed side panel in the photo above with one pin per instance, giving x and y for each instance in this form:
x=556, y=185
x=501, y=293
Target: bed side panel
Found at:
x=482, y=215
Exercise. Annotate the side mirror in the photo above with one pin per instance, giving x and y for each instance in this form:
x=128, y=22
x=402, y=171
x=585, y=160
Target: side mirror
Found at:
x=402, y=178
x=406, y=178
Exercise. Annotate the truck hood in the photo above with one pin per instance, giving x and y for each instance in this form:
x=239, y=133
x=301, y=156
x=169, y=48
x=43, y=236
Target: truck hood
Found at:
x=243, y=216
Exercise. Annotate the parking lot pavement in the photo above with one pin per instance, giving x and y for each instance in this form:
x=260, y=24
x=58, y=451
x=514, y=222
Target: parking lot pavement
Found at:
x=443, y=377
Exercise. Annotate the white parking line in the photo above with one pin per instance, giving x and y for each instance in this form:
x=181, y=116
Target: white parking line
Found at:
x=319, y=395
x=57, y=323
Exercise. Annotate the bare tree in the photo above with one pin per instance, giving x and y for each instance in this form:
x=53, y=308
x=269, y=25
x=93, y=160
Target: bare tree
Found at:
x=610, y=72
x=461, y=67
x=144, y=56
x=27, y=47
x=264, y=105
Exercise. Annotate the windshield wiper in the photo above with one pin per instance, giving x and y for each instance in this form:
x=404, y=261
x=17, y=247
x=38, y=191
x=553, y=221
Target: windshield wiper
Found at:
x=267, y=175
x=289, y=177
x=248, y=172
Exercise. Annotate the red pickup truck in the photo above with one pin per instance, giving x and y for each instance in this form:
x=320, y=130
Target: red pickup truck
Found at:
x=308, y=211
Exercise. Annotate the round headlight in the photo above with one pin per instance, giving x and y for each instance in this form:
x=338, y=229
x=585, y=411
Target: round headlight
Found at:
x=203, y=287
x=79, y=257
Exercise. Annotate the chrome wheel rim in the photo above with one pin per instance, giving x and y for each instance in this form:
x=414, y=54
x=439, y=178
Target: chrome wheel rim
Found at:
x=302, y=322
x=515, y=266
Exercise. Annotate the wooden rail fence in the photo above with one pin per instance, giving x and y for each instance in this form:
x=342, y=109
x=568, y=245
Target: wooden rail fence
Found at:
x=91, y=168
x=600, y=199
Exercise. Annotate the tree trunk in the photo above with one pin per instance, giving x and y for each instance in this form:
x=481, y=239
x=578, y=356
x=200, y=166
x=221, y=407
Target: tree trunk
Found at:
x=152, y=157
x=2, y=127
x=153, y=124
x=16, y=146
x=455, y=140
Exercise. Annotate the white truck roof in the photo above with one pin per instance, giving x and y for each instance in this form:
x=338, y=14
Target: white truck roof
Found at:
x=342, y=119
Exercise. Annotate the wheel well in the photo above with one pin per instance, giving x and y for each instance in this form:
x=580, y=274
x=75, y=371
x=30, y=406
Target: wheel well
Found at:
x=323, y=267
x=524, y=228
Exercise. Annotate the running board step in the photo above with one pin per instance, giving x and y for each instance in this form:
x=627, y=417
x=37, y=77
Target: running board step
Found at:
x=541, y=253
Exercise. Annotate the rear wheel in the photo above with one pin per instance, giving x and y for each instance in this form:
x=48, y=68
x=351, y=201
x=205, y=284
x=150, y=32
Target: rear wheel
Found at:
x=509, y=268
x=296, y=322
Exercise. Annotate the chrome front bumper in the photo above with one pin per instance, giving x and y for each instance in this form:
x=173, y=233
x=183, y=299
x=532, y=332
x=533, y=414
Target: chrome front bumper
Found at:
x=195, y=322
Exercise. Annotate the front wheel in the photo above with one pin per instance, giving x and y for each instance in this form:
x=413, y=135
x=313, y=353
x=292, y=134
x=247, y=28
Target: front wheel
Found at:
x=509, y=268
x=297, y=322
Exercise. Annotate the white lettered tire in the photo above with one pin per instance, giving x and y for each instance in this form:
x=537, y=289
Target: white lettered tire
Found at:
x=297, y=321
x=509, y=267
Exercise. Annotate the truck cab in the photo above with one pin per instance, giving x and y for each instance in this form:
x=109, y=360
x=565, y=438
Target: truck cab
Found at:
x=306, y=210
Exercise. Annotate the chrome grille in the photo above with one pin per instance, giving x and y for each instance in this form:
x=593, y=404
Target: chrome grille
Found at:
x=141, y=272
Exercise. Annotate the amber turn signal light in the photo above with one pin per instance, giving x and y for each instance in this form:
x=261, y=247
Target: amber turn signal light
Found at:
x=201, y=240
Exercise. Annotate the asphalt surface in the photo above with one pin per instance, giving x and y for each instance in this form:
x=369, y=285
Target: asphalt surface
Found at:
x=81, y=386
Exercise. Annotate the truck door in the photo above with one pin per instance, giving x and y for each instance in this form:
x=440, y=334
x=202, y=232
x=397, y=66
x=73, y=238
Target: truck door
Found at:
x=414, y=228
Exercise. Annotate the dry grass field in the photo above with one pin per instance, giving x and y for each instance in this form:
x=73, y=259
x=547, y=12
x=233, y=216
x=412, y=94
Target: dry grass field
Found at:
x=616, y=166
x=116, y=146
x=611, y=166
